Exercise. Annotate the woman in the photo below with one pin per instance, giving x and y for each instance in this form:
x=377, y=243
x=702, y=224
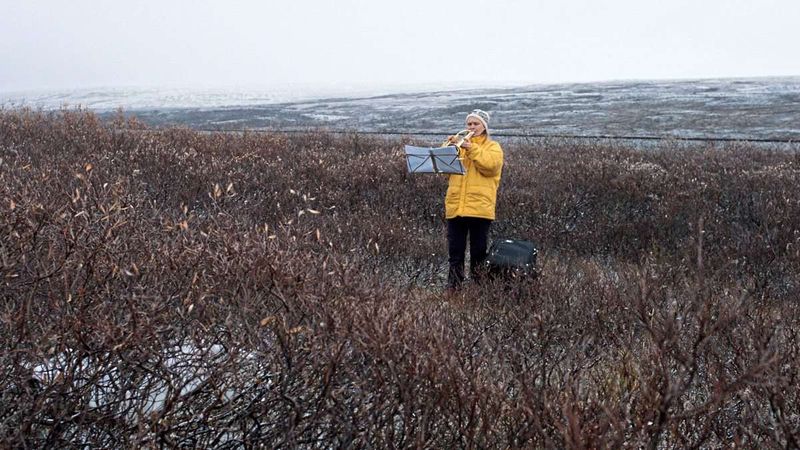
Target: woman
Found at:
x=470, y=200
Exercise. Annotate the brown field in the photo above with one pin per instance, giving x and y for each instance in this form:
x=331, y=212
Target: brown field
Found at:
x=171, y=288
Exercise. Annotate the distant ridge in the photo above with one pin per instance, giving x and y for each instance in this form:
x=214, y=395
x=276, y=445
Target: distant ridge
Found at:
x=737, y=108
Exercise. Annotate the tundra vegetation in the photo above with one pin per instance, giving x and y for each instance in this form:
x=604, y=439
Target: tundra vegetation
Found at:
x=168, y=287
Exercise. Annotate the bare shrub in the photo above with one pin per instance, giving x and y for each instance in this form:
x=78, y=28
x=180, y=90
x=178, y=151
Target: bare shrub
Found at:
x=166, y=287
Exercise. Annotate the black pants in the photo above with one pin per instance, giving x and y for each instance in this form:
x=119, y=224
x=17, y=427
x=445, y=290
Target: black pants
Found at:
x=457, y=230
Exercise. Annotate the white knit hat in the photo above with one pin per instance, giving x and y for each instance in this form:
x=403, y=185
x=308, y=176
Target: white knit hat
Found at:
x=481, y=115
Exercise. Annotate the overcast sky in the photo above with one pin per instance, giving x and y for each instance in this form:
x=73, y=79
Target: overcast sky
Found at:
x=57, y=44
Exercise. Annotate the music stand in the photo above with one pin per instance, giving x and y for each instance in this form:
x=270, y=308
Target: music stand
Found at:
x=433, y=160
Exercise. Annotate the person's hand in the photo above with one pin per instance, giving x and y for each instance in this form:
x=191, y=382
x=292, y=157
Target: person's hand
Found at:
x=466, y=144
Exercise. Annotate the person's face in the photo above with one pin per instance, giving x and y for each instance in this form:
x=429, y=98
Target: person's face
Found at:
x=475, y=126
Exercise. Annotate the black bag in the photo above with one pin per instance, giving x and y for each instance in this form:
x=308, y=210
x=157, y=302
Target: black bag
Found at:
x=511, y=258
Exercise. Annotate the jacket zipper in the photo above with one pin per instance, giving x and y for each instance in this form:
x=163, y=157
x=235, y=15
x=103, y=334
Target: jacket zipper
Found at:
x=463, y=200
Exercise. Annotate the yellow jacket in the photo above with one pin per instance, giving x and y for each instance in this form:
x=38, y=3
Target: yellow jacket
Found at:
x=475, y=194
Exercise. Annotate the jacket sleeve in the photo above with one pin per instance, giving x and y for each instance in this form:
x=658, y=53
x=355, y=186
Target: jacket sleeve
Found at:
x=488, y=159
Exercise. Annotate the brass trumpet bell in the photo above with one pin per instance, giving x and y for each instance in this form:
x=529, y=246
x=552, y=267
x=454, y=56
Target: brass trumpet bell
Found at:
x=460, y=137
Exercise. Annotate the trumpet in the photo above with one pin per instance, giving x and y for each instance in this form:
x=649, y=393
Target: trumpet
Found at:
x=460, y=137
